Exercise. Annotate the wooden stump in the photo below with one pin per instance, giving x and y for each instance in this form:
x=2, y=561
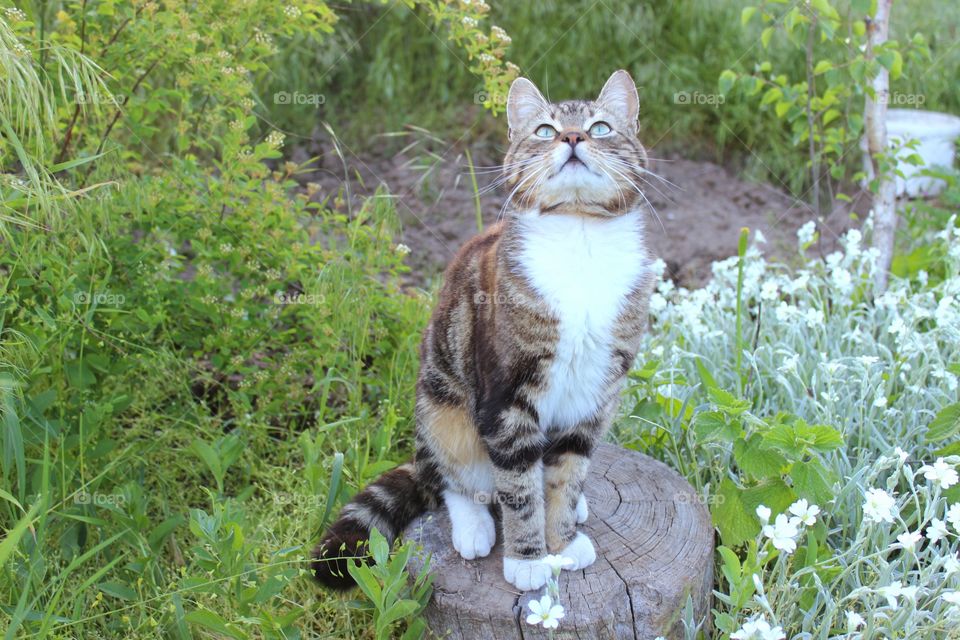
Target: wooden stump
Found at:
x=654, y=542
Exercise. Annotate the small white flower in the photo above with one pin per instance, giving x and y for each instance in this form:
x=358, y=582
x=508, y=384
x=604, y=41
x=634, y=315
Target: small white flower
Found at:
x=891, y=592
x=854, y=621
x=758, y=629
x=806, y=233
x=879, y=506
x=880, y=401
x=953, y=599
x=783, y=533
x=937, y=530
x=544, y=612
x=903, y=455
x=908, y=540
x=952, y=564
x=402, y=249
x=469, y=22
x=806, y=513
x=764, y=514
x=657, y=302
x=953, y=516
x=769, y=290
x=940, y=474
x=789, y=364
x=557, y=562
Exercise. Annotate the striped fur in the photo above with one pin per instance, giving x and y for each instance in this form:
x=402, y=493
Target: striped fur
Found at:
x=537, y=323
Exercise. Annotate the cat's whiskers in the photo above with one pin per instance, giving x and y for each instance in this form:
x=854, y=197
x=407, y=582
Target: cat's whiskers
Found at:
x=640, y=191
x=537, y=174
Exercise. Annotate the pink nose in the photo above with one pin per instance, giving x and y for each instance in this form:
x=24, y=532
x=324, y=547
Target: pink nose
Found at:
x=573, y=137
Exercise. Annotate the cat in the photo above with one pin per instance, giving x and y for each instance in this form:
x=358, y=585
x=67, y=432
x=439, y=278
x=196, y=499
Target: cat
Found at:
x=521, y=366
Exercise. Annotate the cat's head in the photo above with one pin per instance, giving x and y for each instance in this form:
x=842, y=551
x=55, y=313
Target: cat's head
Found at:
x=579, y=156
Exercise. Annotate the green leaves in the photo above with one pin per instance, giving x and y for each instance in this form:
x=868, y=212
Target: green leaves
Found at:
x=220, y=456
x=732, y=516
x=390, y=592
x=945, y=425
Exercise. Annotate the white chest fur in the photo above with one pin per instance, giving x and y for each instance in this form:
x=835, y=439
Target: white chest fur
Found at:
x=584, y=269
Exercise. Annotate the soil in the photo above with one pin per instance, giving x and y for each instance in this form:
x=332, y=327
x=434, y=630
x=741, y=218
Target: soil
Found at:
x=697, y=208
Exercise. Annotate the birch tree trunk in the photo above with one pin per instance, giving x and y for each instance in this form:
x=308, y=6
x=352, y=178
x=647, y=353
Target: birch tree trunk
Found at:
x=875, y=117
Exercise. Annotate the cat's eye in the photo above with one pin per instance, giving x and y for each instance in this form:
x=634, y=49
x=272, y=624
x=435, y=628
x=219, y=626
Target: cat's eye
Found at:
x=600, y=129
x=545, y=131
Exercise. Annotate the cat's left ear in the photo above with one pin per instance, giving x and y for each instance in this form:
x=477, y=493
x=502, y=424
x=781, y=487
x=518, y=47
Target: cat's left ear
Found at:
x=619, y=96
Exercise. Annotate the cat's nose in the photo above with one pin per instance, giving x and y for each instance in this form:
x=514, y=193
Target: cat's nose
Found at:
x=573, y=137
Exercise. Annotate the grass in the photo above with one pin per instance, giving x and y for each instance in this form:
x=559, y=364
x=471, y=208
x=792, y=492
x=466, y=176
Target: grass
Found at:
x=200, y=363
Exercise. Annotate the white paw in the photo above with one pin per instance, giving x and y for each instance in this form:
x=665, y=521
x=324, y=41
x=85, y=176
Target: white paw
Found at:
x=581, y=551
x=525, y=575
x=582, y=510
x=474, y=532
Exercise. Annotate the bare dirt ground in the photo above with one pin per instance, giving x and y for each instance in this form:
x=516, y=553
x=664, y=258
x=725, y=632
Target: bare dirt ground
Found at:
x=699, y=206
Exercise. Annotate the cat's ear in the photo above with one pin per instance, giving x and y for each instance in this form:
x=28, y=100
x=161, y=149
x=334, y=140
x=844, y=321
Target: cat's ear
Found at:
x=619, y=96
x=523, y=103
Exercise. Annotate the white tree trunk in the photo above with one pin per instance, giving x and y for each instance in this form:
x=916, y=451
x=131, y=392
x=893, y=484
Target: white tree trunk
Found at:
x=884, y=202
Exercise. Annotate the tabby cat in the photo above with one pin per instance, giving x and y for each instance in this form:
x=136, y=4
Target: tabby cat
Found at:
x=538, y=321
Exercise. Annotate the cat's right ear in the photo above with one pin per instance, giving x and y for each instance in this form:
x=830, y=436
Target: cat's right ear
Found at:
x=523, y=103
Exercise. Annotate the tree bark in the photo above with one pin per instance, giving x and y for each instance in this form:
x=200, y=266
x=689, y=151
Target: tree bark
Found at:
x=875, y=112
x=654, y=542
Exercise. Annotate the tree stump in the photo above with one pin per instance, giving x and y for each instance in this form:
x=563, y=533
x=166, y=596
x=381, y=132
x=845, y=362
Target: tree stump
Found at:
x=654, y=542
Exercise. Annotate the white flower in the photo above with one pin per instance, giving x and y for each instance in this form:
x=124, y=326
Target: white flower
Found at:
x=758, y=629
x=903, y=455
x=879, y=506
x=469, y=22
x=908, y=540
x=891, y=593
x=937, y=530
x=789, y=364
x=806, y=513
x=764, y=514
x=953, y=516
x=769, y=290
x=783, y=533
x=544, y=612
x=402, y=249
x=806, y=233
x=854, y=621
x=657, y=302
x=940, y=474
x=557, y=562
x=952, y=564
x=814, y=318
x=880, y=401
x=953, y=599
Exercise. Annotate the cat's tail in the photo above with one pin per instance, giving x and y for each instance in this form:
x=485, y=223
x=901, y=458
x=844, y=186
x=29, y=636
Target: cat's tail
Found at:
x=390, y=503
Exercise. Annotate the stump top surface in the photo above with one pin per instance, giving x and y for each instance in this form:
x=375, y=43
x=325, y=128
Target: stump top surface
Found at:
x=654, y=542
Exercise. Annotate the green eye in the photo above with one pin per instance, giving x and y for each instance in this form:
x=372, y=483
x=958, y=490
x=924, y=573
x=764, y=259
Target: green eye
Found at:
x=599, y=129
x=545, y=131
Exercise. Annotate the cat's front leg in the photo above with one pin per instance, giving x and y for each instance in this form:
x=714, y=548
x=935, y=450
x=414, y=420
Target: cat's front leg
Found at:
x=520, y=496
x=515, y=445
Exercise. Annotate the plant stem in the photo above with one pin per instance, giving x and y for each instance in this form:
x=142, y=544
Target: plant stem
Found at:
x=741, y=252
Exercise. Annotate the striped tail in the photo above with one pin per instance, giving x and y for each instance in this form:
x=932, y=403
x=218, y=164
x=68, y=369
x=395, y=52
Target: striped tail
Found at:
x=389, y=504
